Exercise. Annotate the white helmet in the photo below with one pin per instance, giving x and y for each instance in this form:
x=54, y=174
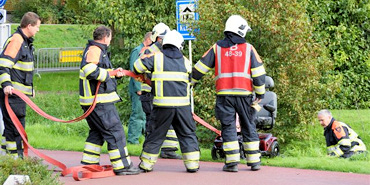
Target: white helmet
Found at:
x=174, y=38
x=159, y=30
x=237, y=25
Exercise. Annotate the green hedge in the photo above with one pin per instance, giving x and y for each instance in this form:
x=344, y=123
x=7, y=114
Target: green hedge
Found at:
x=343, y=26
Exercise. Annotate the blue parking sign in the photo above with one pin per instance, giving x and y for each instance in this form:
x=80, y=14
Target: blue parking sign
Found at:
x=186, y=15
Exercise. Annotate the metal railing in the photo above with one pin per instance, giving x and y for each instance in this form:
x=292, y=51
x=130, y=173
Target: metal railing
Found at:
x=58, y=59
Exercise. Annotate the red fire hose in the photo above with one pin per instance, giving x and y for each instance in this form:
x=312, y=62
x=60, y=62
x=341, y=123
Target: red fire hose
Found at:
x=83, y=172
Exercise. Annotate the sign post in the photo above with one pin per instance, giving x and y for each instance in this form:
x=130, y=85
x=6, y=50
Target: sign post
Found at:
x=186, y=16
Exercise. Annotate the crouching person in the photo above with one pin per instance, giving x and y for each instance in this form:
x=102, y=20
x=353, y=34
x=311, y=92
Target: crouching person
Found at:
x=171, y=104
x=341, y=140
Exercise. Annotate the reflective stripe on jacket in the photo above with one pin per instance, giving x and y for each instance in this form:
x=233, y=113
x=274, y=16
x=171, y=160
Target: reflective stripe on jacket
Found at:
x=154, y=48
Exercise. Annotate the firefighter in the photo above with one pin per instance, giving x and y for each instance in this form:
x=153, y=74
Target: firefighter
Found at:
x=136, y=124
x=104, y=121
x=170, y=145
x=238, y=72
x=16, y=72
x=341, y=140
x=171, y=104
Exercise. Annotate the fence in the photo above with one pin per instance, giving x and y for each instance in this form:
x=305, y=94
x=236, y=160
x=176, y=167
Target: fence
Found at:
x=58, y=59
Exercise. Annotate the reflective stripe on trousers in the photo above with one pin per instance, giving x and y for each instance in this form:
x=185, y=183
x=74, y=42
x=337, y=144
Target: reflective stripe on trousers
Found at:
x=171, y=141
x=148, y=160
x=252, y=152
x=232, y=153
x=191, y=160
x=91, y=153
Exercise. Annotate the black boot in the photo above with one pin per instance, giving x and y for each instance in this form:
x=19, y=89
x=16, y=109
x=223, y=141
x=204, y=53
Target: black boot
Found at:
x=128, y=171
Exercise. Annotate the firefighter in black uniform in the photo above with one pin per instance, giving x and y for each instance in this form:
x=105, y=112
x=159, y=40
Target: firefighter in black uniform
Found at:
x=171, y=104
x=239, y=72
x=170, y=144
x=104, y=121
x=16, y=72
x=341, y=140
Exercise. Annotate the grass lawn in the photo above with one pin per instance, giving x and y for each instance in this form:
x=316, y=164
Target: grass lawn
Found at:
x=60, y=35
x=57, y=94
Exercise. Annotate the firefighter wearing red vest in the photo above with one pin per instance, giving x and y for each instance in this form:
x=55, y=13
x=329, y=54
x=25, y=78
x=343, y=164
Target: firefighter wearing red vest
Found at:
x=170, y=144
x=171, y=104
x=341, y=140
x=238, y=72
x=16, y=72
x=104, y=121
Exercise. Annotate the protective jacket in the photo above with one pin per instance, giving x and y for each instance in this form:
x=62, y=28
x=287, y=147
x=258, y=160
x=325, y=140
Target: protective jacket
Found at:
x=93, y=69
x=170, y=79
x=341, y=140
x=238, y=68
x=16, y=63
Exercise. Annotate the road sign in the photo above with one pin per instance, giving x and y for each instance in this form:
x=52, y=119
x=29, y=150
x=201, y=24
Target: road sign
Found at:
x=2, y=2
x=186, y=15
x=2, y=16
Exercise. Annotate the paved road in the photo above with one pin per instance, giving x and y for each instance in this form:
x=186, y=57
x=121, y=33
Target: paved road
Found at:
x=172, y=172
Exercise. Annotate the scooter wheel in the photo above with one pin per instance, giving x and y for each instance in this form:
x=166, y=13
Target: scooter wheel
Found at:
x=214, y=153
x=275, y=149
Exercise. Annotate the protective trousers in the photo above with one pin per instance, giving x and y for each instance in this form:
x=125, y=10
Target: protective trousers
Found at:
x=105, y=125
x=136, y=124
x=226, y=109
x=171, y=141
x=13, y=141
x=181, y=120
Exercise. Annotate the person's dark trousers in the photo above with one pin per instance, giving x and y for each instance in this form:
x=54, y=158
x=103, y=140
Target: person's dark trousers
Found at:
x=182, y=121
x=136, y=124
x=146, y=99
x=226, y=109
x=13, y=140
x=105, y=125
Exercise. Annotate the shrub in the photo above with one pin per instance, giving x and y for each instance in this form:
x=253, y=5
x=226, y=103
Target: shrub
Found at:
x=33, y=167
x=50, y=11
x=281, y=34
x=343, y=27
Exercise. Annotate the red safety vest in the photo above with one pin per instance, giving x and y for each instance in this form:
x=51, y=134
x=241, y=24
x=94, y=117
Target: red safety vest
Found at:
x=233, y=70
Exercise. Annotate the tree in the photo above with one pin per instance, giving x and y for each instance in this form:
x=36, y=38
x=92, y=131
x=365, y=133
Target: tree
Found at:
x=343, y=26
x=281, y=34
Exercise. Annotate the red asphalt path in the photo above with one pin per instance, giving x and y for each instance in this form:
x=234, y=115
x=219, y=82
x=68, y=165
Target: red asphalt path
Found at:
x=172, y=172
